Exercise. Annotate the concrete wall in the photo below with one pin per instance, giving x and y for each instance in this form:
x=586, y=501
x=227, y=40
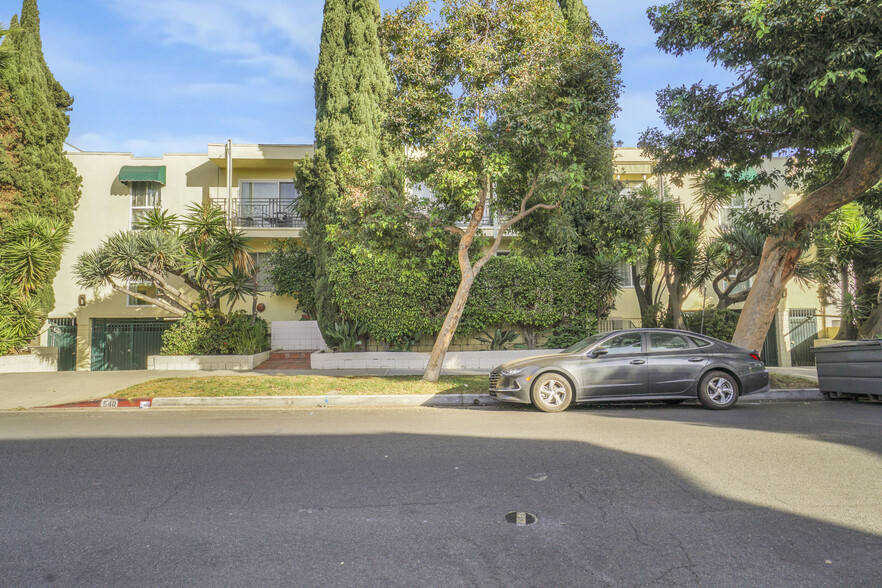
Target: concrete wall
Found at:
x=299, y=335
x=206, y=362
x=458, y=360
x=40, y=359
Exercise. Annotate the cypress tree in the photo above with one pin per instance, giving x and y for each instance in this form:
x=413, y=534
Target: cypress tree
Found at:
x=35, y=176
x=351, y=85
x=574, y=11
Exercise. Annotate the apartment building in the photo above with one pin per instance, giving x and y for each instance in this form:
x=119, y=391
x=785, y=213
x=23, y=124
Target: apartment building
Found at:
x=253, y=185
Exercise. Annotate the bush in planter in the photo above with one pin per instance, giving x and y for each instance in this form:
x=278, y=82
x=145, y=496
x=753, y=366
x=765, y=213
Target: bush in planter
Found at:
x=211, y=332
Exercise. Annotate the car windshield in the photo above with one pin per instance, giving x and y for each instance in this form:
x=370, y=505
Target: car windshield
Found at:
x=584, y=343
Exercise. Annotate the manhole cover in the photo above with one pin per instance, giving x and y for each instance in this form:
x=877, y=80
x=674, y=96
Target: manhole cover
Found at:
x=521, y=518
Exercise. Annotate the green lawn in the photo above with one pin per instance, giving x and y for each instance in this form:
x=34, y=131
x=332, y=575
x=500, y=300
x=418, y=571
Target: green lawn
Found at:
x=351, y=385
x=301, y=386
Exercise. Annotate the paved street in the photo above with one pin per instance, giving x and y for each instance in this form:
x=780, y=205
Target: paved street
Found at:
x=784, y=494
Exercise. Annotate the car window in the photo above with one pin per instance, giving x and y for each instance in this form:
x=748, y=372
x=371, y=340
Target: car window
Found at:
x=667, y=342
x=700, y=342
x=583, y=344
x=627, y=343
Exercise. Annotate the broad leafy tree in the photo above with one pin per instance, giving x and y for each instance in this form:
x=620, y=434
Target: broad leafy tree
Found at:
x=497, y=102
x=807, y=82
x=351, y=86
x=36, y=179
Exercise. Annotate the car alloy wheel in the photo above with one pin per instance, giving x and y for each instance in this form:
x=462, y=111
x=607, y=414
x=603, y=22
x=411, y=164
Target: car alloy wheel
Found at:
x=718, y=391
x=552, y=393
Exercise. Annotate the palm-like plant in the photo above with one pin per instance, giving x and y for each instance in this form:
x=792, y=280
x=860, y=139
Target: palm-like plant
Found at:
x=846, y=235
x=192, y=260
x=28, y=248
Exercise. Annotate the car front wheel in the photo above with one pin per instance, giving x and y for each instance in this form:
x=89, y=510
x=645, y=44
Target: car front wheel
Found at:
x=718, y=391
x=552, y=393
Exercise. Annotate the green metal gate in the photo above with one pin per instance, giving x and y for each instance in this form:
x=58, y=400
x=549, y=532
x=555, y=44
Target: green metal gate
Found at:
x=124, y=344
x=770, y=345
x=803, y=331
x=63, y=334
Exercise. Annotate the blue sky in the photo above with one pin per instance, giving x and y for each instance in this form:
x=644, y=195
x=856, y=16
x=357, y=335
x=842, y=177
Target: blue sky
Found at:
x=171, y=76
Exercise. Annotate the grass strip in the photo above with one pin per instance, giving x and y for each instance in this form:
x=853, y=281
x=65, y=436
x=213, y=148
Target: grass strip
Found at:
x=788, y=382
x=269, y=385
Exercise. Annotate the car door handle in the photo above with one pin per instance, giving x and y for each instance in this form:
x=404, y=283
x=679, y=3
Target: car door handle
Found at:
x=638, y=361
x=696, y=359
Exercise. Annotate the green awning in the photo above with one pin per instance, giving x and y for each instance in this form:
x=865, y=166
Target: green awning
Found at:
x=143, y=173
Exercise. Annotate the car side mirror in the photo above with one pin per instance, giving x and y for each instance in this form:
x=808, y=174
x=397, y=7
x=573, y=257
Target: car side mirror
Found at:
x=598, y=352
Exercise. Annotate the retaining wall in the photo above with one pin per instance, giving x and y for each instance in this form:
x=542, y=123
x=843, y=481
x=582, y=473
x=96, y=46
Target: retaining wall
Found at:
x=206, y=362
x=40, y=359
x=456, y=360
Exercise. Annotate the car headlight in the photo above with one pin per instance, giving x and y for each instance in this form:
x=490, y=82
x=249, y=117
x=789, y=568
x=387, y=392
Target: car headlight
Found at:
x=512, y=372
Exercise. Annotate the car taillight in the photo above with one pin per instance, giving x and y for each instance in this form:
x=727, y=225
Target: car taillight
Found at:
x=755, y=356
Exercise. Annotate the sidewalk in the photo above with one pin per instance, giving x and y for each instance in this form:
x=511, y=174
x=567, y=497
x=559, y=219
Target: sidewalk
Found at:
x=33, y=390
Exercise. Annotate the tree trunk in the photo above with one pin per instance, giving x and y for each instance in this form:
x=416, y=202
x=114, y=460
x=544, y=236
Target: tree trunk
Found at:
x=872, y=327
x=448, y=329
x=862, y=171
x=844, y=330
x=641, y=295
x=468, y=271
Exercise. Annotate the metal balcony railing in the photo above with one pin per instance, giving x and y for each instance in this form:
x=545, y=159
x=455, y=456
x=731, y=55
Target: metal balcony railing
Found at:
x=260, y=212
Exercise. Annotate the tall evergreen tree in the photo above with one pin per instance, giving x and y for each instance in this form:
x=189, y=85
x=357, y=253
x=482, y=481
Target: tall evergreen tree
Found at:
x=351, y=85
x=574, y=11
x=35, y=176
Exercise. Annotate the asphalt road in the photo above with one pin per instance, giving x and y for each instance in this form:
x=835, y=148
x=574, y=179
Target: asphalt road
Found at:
x=786, y=494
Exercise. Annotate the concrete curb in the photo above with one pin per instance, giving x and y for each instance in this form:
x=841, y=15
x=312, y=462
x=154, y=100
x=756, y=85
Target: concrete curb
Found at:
x=786, y=395
x=329, y=401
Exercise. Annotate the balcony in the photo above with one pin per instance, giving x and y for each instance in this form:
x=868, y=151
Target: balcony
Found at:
x=262, y=213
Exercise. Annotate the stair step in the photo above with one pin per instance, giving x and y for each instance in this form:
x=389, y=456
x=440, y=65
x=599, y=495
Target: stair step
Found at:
x=287, y=360
x=291, y=354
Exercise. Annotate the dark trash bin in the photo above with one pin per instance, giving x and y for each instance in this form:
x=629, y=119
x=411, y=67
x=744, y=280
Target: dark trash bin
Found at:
x=850, y=369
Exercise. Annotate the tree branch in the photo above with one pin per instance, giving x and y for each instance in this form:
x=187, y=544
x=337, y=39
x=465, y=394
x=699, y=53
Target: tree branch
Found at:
x=148, y=299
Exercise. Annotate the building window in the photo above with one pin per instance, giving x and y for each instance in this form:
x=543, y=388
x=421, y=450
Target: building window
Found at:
x=146, y=196
x=262, y=267
x=267, y=203
x=624, y=271
x=731, y=210
x=145, y=288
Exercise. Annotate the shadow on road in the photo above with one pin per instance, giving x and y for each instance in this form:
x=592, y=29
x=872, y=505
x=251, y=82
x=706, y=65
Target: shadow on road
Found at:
x=392, y=509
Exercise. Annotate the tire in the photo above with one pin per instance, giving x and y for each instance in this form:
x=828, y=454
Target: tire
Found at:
x=674, y=401
x=551, y=393
x=718, y=391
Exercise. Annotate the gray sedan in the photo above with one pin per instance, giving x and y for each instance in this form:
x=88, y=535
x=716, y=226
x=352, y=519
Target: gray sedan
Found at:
x=634, y=365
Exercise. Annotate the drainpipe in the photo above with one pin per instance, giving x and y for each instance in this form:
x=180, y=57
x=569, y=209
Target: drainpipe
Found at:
x=230, y=182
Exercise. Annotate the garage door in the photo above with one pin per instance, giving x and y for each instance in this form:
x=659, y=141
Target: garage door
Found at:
x=124, y=344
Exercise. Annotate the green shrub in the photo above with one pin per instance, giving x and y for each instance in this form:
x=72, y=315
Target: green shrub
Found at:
x=395, y=301
x=718, y=323
x=211, y=332
x=291, y=271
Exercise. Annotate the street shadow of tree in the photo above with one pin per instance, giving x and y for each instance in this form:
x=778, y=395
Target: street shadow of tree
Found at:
x=855, y=424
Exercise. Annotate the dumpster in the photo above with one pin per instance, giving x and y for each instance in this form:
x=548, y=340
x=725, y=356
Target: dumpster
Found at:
x=852, y=369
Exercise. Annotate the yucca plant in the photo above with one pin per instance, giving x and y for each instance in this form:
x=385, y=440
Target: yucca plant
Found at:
x=499, y=340
x=345, y=336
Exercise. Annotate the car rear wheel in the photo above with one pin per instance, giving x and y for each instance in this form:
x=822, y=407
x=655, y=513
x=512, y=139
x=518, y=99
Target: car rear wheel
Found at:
x=718, y=391
x=552, y=393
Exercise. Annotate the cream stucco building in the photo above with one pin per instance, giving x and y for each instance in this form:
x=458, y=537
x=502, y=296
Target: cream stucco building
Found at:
x=253, y=184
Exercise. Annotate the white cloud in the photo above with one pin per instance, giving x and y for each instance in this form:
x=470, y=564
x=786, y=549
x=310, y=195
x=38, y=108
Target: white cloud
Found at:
x=279, y=37
x=154, y=145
